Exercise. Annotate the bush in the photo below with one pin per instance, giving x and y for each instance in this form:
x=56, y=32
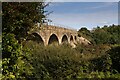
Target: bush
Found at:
x=63, y=62
x=115, y=56
x=14, y=64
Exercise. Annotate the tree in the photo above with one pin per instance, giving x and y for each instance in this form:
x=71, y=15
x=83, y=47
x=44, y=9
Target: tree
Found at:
x=100, y=36
x=84, y=32
x=115, y=56
x=13, y=60
x=19, y=18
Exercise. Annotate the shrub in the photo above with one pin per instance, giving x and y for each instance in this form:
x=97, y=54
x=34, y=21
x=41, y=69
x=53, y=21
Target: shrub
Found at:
x=63, y=62
x=14, y=64
x=115, y=56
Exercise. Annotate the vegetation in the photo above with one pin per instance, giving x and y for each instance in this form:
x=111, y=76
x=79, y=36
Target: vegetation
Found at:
x=63, y=62
x=18, y=20
x=29, y=60
x=105, y=35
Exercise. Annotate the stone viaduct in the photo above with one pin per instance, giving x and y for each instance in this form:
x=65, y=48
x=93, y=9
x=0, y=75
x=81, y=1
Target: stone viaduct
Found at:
x=49, y=34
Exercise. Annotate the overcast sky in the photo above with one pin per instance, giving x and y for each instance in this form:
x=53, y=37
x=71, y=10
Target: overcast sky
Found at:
x=83, y=14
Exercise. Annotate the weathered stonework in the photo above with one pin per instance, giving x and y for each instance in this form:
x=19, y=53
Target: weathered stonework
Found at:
x=47, y=31
x=50, y=33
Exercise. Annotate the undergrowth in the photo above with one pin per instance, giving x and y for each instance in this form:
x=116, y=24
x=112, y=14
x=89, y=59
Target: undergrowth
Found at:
x=65, y=63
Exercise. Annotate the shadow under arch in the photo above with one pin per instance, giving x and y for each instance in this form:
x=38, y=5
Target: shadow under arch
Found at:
x=64, y=39
x=71, y=38
x=37, y=38
x=53, y=39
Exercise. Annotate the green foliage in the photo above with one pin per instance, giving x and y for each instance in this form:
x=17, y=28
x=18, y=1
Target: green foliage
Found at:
x=101, y=64
x=32, y=61
x=13, y=62
x=115, y=56
x=100, y=36
x=18, y=18
x=63, y=62
x=85, y=33
x=55, y=61
x=105, y=35
x=0, y=57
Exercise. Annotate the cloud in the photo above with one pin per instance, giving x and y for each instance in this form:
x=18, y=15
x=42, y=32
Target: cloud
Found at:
x=105, y=4
x=87, y=17
x=54, y=4
x=90, y=20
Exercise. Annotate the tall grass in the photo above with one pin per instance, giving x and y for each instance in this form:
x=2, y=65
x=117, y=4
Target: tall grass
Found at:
x=62, y=62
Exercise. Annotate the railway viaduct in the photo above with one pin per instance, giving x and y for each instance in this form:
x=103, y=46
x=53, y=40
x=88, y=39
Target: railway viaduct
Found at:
x=48, y=34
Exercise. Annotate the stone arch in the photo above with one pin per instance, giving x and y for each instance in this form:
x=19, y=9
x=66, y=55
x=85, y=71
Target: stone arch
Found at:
x=38, y=38
x=71, y=38
x=53, y=39
x=75, y=37
x=64, y=39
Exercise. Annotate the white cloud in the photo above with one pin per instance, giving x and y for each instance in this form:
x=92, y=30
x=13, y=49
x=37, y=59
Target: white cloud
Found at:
x=54, y=4
x=89, y=20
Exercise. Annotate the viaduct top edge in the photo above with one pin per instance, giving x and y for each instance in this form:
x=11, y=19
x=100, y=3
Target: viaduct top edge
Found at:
x=56, y=27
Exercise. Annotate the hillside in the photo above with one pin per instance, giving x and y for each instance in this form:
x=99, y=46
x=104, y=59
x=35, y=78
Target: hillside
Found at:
x=99, y=60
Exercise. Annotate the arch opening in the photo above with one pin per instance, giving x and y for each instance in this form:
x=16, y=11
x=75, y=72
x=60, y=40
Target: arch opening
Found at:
x=64, y=39
x=53, y=39
x=37, y=38
x=71, y=38
x=75, y=38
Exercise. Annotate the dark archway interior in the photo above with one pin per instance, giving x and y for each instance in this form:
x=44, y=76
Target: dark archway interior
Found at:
x=37, y=38
x=75, y=38
x=53, y=39
x=71, y=38
x=64, y=39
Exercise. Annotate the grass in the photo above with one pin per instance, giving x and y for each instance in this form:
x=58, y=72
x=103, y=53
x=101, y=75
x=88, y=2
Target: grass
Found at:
x=59, y=62
x=81, y=52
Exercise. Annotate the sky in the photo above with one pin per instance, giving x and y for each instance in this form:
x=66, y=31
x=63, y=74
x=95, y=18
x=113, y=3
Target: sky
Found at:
x=60, y=0
x=83, y=14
